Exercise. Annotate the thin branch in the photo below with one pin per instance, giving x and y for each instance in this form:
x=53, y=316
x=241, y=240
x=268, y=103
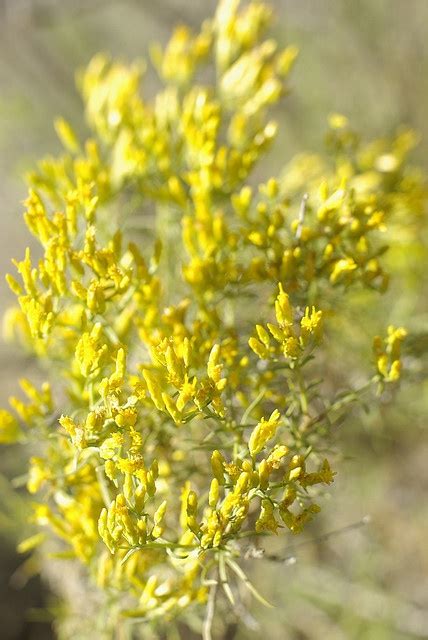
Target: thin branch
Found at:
x=322, y=538
x=209, y=616
x=224, y=581
x=252, y=406
x=242, y=576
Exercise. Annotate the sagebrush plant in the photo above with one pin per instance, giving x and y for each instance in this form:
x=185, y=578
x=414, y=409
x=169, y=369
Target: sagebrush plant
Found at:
x=179, y=310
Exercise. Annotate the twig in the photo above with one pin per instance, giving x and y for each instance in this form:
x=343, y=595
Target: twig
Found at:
x=252, y=406
x=325, y=536
x=242, y=576
x=223, y=580
x=209, y=616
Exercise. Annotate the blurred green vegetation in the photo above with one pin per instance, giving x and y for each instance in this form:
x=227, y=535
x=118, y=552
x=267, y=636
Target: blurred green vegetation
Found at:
x=369, y=60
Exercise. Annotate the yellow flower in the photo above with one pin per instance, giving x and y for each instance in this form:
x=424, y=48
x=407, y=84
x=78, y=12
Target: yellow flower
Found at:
x=264, y=431
x=9, y=428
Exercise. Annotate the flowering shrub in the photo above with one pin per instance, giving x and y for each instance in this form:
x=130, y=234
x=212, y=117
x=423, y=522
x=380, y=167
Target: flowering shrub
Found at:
x=179, y=313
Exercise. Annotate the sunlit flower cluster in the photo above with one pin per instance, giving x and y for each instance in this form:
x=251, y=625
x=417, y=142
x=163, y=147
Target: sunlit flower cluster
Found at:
x=179, y=311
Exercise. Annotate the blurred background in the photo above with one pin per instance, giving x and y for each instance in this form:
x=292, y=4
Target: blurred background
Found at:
x=369, y=60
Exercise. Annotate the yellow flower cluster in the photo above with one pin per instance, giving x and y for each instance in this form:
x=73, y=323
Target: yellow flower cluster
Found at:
x=387, y=353
x=287, y=341
x=164, y=443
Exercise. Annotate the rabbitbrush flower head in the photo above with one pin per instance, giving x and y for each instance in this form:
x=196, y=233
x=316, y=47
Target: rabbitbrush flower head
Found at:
x=183, y=421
